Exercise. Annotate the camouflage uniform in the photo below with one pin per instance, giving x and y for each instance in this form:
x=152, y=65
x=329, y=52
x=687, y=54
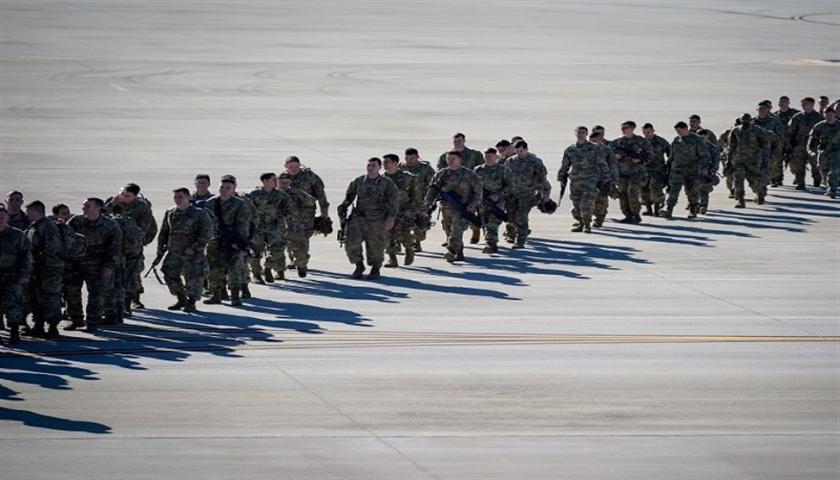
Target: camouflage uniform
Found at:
x=376, y=201
x=749, y=149
x=777, y=172
x=529, y=184
x=707, y=178
x=15, y=265
x=467, y=187
x=19, y=220
x=124, y=285
x=689, y=155
x=602, y=199
x=652, y=193
x=495, y=179
x=190, y=228
x=723, y=146
x=410, y=201
x=311, y=183
x=424, y=173
x=776, y=136
x=469, y=159
x=299, y=222
x=585, y=165
x=825, y=143
x=631, y=176
x=271, y=209
x=227, y=264
x=141, y=211
x=800, y=127
x=103, y=244
x=45, y=285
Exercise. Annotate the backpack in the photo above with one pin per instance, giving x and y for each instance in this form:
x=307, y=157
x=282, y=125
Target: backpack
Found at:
x=132, y=236
x=72, y=244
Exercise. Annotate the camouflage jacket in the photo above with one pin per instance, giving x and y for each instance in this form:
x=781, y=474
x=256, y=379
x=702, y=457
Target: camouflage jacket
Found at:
x=785, y=117
x=661, y=149
x=464, y=182
x=191, y=227
x=410, y=193
x=103, y=240
x=311, y=183
x=777, y=129
x=376, y=199
x=270, y=207
x=15, y=255
x=301, y=216
x=800, y=128
x=140, y=211
x=470, y=159
x=45, y=241
x=825, y=138
x=235, y=213
x=529, y=176
x=19, y=220
x=749, y=144
x=636, y=143
x=689, y=154
x=423, y=171
x=584, y=162
x=495, y=178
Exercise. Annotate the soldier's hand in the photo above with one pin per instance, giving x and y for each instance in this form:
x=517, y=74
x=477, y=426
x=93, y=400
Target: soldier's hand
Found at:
x=24, y=281
x=494, y=197
x=389, y=224
x=106, y=274
x=636, y=160
x=189, y=252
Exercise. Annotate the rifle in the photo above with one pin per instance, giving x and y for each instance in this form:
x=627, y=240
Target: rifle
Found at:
x=494, y=208
x=230, y=236
x=626, y=151
x=341, y=236
x=451, y=198
x=563, y=183
x=155, y=263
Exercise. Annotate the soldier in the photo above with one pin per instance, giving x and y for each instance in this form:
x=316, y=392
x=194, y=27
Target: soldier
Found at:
x=776, y=135
x=589, y=169
x=374, y=215
x=602, y=197
x=129, y=203
x=823, y=104
x=308, y=181
x=652, y=193
x=15, y=271
x=103, y=240
x=632, y=152
x=749, y=149
x=424, y=173
x=688, y=155
x=530, y=187
x=725, y=158
x=800, y=127
x=48, y=268
x=459, y=190
x=505, y=149
x=124, y=287
x=694, y=124
x=17, y=217
x=184, y=233
x=707, y=179
x=410, y=201
x=496, y=182
x=299, y=222
x=227, y=248
x=785, y=113
x=272, y=206
x=469, y=159
x=825, y=143
x=202, y=188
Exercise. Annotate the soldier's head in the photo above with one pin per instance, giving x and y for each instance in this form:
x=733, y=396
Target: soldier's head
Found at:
x=746, y=120
x=597, y=136
x=14, y=200
x=202, y=184
x=284, y=181
x=784, y=102
x=769, y=104
x=92, y=208
x=412, y=156
x=830, y=115
x=374, y=164
x=292, y=165
x=648, y=131
x=227, y=187
x=36, y=210
x=391, y=162
x=808, y=104
x=694, y=122
x=521, y=148
x=681, y=128
x=459, y=141
x=823, y=102
x=515, y=139
x=490, y=156
x=269, y=181
x=763, y=110
x=504, y=147
x=581, y=133
x=61, y=212
x=129, y=193
x=628, y=129
x=181, y=197
x=454, y=159
x=4, y=218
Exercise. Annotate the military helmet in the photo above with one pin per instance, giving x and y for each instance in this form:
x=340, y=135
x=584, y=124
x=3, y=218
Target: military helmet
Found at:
x=323, y=225
x=548, y=207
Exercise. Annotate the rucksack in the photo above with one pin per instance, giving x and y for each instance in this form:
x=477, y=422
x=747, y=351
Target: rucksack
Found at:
x=132, y=235
x=72, y=244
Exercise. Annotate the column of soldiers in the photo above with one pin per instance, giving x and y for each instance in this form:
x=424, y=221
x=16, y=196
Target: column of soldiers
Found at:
x=215, y=244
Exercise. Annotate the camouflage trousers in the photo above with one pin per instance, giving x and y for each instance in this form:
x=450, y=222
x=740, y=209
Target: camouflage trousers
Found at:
x=183, y=274
x=365, y=234
x=823, y=160
x=457, y=226
x=602, y=203
x=44, y=290
x=227, y=266
x=271, y=243
x=676, y=181
x=88, y=274
x=11, y=299
x=491, y=223
x=832, y=161
x=749, y=170
x=125, y=285
x=582, y=194
x=653, y=192
x=401, y=234
x=519, y=209
x=777, y=167
x=799, y=160
x=297, y=243
x=630, y=194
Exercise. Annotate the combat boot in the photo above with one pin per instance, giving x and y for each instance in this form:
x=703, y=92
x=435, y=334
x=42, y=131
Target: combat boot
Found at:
x=280, y=274
x=91, y=328
x=36, y=331
x=578, y=227
x=450, y=256
x=76, y=324
x=759, y=199
x=648, y=210
x=301, y=272
x=460, y=255
x=598, y=223
x=52, y=331
x=518, y=245
x=392, y=261
x=703, y=210
x=732, y=195
x=269, y=277
x=668, y=212
x=215, y=299
x=136, y=304
x=656, y=209
x=830, y=194
x=258, y=279
x=692, y=211
x=417, y=247
x=360, y=269
x=586, y=227
x=476, y=236
x=291, y=266
x=488, y=248
x=444, y=244
x=14, y=334
x=181, y=303
x=374, y=273
x=190, y=306
x=127, y=308
x=626, y=219
x=801, y=186
x=235, y=299
x=245, y=292
x=636, y=219
x=224, y=294
x=741, y=203
x=409, y=256
x=817, y=179
x=109, y=319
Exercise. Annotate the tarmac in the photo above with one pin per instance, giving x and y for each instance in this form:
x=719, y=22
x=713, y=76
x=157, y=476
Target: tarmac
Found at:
x=690, y=349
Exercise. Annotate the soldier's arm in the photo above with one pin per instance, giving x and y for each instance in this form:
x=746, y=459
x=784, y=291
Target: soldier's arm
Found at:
x=25, y=261
x=507, y=183
x=416, y=195
x=442, y=162
x=163, y=236
x=242, y=222
x=349, y=196
x=432, y=193
x=814, y=140
x=543, y=185
x=321, y=195
x=149, y=225
x=204, y=231
x=565, y=166
x=392, y=199
x=52, y=244
x=477, y=192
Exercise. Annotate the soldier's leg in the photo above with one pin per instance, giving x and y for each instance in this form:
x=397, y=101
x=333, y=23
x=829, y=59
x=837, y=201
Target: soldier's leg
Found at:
x=586, y=204
x=12, y=300
x=96, y=288
x=739, y=175
x=195, y=273
x=276, y=258
x=522, y=216
x=375, y=241
x=173, y=268
x=446, y=223
x=217, y=256
x=510, y=227
x=575, y=192
x=624, y=197
x=776, y=171
x=833, y=162
x=353, y=239
x=634, y=195
x=137, y=280
x=756, y=177
x=657, y=194
x=258, y=244
x=51, y=288
x=798, y=161
x=823, y=161
x=816, y=172
x=73, y=293
x=602, y=203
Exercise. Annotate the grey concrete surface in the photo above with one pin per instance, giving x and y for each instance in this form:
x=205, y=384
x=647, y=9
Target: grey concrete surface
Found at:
x=671, y=349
